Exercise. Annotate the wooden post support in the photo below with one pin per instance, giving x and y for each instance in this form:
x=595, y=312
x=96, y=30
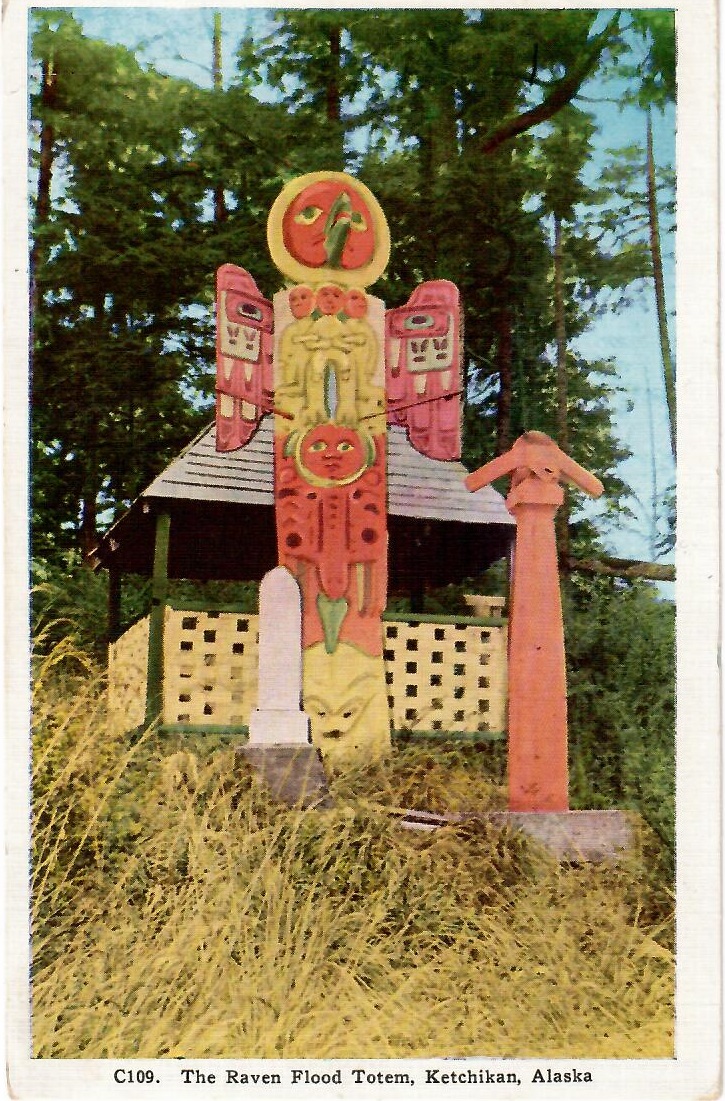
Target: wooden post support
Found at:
x=114, y=604
x=538, y=773
x=159, y=593
x=279, y=718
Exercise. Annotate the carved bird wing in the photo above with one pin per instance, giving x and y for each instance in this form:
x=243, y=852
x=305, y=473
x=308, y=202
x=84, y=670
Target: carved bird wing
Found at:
x=244, y=380
x=423, y=352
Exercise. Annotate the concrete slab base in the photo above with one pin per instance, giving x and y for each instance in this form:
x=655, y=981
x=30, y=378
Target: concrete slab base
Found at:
x=293, y=774
x=586, y=836
x=591, y=836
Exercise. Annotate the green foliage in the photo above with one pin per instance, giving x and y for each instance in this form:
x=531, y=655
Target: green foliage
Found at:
x=69, y=602
x=620, y=651
x=123, y=259
x=653, y=72
x=441, y=118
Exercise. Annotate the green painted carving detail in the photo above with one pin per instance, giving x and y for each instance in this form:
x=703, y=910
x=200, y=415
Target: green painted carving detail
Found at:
x=332, y=613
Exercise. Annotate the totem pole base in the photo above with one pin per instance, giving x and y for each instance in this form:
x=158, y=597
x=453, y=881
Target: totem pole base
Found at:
x=292, y=774
x=591, y=836
x=274, y=727
x=578, y=836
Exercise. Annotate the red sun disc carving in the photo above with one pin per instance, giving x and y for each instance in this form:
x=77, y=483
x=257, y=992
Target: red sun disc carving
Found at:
x=305, y=220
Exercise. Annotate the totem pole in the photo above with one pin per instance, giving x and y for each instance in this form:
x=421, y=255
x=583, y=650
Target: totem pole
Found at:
x=537, y=721
x=334, y=368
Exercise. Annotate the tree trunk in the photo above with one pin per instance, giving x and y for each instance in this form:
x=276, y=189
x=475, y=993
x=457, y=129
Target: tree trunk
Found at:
x=562, y=388
x=88, y=536
x=668, y=365
x=48, y=98
x=504, y=364
x=220, y=207
x=333, y=112
x=619, y=567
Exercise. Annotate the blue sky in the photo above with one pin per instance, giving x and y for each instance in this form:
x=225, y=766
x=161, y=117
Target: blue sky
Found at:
x=178, y=41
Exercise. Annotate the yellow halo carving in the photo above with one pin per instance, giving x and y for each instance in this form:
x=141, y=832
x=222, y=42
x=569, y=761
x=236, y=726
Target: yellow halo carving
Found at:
x=299, y=272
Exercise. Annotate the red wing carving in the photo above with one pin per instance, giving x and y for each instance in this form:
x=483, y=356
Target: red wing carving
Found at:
x=423, y=351
x=244, y=382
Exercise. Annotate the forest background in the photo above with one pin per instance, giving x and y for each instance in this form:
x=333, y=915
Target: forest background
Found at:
x=486, y=140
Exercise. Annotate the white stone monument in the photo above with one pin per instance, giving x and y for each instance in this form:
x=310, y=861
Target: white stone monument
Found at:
x=279, y=719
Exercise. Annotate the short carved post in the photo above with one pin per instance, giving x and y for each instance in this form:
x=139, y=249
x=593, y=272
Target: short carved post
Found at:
x=537, y=755
x=279, y=719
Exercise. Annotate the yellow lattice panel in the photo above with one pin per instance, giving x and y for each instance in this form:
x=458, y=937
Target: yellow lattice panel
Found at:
x=127, y=669
x=446, y=676
x=210, y=667
x=440, y=676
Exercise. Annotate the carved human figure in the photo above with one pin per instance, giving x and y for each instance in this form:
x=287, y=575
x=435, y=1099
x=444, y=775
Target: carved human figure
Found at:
x=345, y=698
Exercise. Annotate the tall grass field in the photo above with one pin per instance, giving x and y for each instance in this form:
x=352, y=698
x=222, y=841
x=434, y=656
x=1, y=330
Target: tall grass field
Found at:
x=177, y=912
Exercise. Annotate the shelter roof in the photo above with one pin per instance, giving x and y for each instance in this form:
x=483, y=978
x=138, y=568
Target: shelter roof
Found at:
x=223, y=527
x=417, y=485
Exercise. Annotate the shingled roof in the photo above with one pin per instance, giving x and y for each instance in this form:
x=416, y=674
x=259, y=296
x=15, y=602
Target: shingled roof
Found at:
x=417, y=486
x=223, y=517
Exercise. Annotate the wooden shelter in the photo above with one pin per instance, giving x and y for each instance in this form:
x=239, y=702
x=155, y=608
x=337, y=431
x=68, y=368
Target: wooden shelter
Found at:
x=210, y=516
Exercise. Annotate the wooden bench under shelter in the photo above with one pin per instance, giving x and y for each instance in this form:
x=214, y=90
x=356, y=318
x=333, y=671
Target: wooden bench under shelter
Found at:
x=209, y=516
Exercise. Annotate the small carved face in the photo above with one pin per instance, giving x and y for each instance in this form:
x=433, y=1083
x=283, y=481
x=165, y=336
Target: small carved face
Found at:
x=300, y=301
x=333, y=720
x=356, y=303
x=328, y=223
x=330, y=299
x=345, y=697
x=332, y=452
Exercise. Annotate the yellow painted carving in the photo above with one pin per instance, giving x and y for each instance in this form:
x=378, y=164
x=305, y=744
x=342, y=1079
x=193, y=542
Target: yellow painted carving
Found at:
x=328, y=362
x=345, y=698
x=226, y=405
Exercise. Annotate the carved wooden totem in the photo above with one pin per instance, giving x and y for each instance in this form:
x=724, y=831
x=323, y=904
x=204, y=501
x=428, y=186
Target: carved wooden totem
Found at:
x=537, y=723
x=334, y=367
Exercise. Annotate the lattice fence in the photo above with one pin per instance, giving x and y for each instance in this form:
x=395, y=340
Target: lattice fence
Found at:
x=440, y=676
x=446, y=676
x=210, y=667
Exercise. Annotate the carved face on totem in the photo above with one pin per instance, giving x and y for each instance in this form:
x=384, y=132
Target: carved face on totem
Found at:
x=329, y=299
x=332, y=454
x=356, y=303
x=329, y=224
x=345, y=699
x=301, y=299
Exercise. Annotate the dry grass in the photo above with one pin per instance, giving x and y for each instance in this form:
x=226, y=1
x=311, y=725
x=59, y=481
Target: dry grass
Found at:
x=177, y=912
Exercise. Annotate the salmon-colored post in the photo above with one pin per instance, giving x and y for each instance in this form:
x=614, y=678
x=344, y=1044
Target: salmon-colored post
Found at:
x=537, y=746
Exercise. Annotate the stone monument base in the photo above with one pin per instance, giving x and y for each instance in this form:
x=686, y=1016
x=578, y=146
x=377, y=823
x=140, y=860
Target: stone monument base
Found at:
x=588, y=836
x=593, y=836
x=293, y=774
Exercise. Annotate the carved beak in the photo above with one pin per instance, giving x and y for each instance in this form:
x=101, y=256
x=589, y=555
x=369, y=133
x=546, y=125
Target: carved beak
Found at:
x=337, y=229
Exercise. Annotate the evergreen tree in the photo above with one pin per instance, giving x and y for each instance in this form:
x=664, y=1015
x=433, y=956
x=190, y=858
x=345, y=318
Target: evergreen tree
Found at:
x=124, y=253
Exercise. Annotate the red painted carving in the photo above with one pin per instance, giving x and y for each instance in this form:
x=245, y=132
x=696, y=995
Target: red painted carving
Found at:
x=537, y=749
x=423, y=368
x=329, y=224
x=244, y=381
x=331, y=528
